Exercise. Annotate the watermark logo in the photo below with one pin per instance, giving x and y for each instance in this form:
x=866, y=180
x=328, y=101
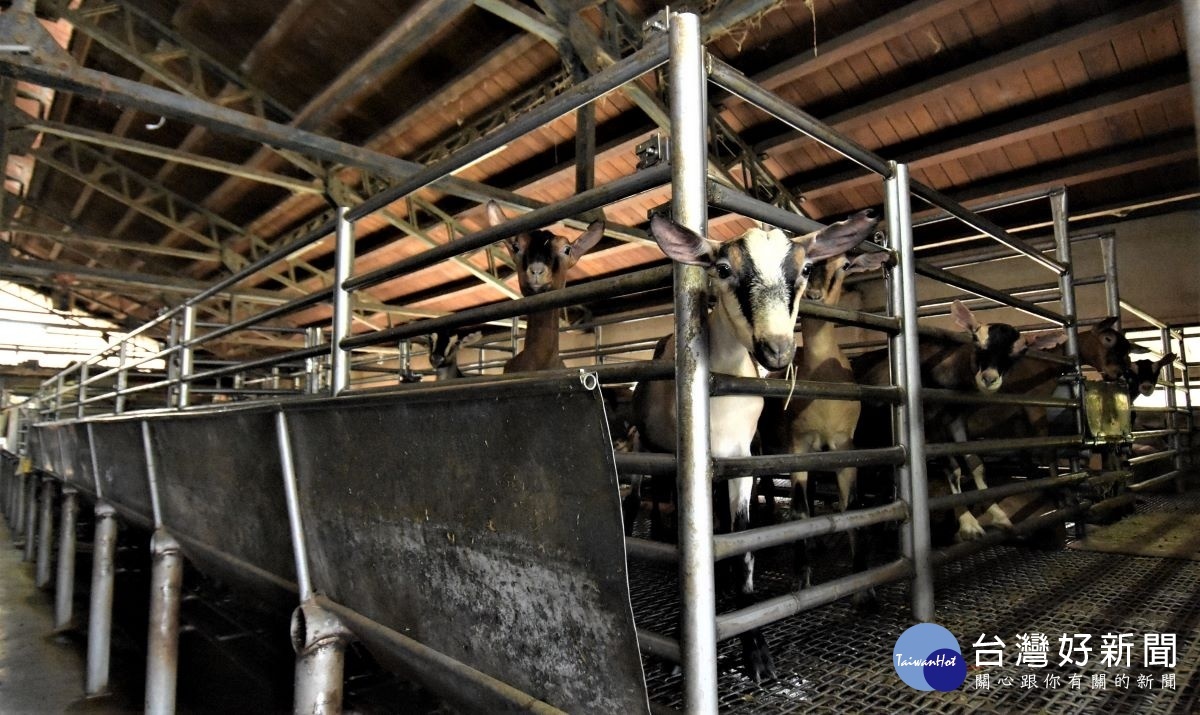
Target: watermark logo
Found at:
x=927, y=657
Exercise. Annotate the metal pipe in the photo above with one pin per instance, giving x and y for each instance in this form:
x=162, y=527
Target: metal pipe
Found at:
x=766, y=464
x=1112, y=293
x=741, y=542
x=1155, y=481
x=602, y=288
x=980, y=289
x=765, y=612
x=122, y=377
x=1191, y=21
x=18, y=505
x=659, y=645
x=906, y=361
x=735, y=201
x=984, y=226
x=31, y=515
x=292, y=496
x=1156, y=457
x=320, y=640
x=152, y=474
x=689, y=159
x=767, y=387
x=46, y=534
x=162, y=649
x=446, y=676
x=81, y=390
x=987, y=446
x=186, y=354
x=731, y=79
x=64, y=582
x=958, y=397
x=995, y=494
x=621, y=188
x=104, y=547
x=343, y=303
x=647, y=550
x=1139, y=313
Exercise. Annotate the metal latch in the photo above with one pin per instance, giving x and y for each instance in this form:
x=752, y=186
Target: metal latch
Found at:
x=652, y=151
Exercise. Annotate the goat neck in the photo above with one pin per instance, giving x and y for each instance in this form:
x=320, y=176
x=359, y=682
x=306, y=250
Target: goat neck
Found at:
x=540, y=351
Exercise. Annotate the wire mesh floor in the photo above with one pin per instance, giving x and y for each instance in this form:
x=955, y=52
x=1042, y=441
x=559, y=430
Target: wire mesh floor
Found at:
x=838, y=660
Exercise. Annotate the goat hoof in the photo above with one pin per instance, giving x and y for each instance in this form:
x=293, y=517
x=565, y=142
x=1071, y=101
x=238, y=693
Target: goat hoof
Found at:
x=999, y=518
x=970, y=532
x=756, y=657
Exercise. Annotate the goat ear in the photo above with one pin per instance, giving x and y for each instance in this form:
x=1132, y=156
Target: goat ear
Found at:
x=837, y=238
x=865, y=262
x=1166, y=360
x=1046, y=341
x=585, y=242
x=1106, y=324
x=963, y=317
x=680, y=243
x=495, y=217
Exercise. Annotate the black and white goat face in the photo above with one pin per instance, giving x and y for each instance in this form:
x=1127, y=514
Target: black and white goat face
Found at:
x=998, y=346
x=758, y=276
x=1143, y=375
x=543, y=258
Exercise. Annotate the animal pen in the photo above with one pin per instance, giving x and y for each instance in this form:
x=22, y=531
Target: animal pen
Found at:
x=497, y=574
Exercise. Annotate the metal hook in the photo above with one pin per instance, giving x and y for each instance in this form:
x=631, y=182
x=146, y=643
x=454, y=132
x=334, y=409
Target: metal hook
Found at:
x=589, y=380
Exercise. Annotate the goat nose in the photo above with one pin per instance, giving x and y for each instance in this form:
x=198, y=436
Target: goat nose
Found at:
x=775, y=352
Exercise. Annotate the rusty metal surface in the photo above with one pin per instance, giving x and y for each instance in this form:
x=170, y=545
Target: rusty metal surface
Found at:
x=219, y=484
x=485, y=527
x=121, y=461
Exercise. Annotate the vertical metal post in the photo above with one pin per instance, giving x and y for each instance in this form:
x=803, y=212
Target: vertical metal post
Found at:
x=585, y=147
x=81, y=393
x=104, y=548
x=31, y=515
x=1191, y=22
x=689, y=171
x=45, y=534
x=162, y=649
x=906, y=347
x=319, y=639
x=60, y=385
x=405, y=349
x=342, y=301
x=1112, y=293
x=173, y=362
x=1173, y=420
x=19, y=501
x=64, y=582
x=122, y=376
x=312, y=366
x=1066, y=288
x=1181, y=356
x=186, y=355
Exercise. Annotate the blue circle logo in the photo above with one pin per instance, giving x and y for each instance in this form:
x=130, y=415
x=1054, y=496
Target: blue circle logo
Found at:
x=927, y=657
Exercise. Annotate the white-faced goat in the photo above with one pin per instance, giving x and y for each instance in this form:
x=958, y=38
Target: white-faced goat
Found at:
x=543, y=260
x=757, y=279
x=980, y=365
x=806, y=425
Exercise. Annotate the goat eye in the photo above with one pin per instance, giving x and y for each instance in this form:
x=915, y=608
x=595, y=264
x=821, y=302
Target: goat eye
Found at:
x=806, y=271
x=723, y=270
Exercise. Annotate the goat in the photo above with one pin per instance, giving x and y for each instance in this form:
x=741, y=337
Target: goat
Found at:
x=979, y=365
x=807, y=425
x=543, y=259
x=1142, y=376
x=757, y=279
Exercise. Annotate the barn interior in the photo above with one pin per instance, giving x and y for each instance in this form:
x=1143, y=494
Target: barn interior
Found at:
x=246, y=245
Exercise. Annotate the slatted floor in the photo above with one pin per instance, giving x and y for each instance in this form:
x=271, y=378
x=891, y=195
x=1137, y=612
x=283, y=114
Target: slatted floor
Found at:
x=837, y=660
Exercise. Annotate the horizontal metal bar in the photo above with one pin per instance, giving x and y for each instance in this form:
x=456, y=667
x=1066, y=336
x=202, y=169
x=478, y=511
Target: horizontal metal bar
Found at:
x=986, y=446
x=624, y=372
x=1156, y=481
x=579, y=203
x=653, y=54
x=720, y=384
x=267, y=361
x=994, y=494
x=658, y=645
x=648, y=550
x=1147, y=434
x=1139, y=313
x=991, y=205
x=988, y=292
x=603, y=288
x=763, y=465
x=738, y=202
x=959, y=397
x=741, y=542
x=774, y=609
x=1156, y=457
x=731, y=79
x=278, y=311
x=986, y=226
x=652, y=463
x=437, y=670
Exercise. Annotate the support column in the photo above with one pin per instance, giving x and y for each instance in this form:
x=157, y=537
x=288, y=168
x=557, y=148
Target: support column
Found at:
x=31, y=515
x=910, y=415
x=162, y=649
x=343, y=302
x=18, y=503
x=320, y=641
x=64, y=583
x=104, y=548
x=45, y=534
